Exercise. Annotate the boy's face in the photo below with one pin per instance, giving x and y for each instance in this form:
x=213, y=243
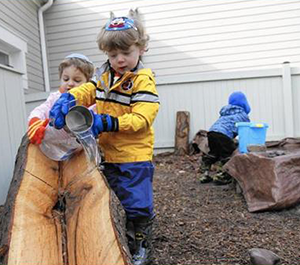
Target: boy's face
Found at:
x=125, y=60
x=71, y=77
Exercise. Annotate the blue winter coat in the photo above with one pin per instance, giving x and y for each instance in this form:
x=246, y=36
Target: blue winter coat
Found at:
x=229, y=116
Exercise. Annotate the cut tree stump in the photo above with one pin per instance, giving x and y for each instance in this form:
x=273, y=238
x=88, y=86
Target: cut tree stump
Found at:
x=61, y=213
x=182, y=133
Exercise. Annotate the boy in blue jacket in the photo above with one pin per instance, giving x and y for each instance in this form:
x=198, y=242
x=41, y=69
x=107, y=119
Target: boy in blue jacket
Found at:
x=220, y=137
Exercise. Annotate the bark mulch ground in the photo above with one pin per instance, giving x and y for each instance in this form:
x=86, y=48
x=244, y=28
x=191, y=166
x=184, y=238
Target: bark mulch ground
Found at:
x=208, y=224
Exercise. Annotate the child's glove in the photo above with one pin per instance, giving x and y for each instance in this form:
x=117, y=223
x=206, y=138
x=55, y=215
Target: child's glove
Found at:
x=104, y=123
x=60, y=109
x=36, y=130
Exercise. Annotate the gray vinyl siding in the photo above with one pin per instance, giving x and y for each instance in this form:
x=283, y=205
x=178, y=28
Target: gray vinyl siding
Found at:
x=187, y=37
x=21, y=16
x=12, y=109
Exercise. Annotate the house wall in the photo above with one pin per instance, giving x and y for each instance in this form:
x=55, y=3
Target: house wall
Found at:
x=19, y=40
x=12, y=109
x=186, y=37
x=200, y=52
x=21, y=17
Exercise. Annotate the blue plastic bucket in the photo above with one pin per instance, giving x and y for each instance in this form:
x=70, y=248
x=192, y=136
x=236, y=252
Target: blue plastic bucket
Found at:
x=251, y=133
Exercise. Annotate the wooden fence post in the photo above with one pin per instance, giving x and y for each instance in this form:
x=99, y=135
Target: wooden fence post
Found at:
x=182, y=132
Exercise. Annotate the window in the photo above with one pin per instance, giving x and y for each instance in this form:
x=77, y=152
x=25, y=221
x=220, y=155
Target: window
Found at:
x=13, y=49
x=4, y=59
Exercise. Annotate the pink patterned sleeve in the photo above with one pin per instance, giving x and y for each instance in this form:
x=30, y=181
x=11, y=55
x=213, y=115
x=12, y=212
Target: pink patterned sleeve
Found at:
x=42, y=111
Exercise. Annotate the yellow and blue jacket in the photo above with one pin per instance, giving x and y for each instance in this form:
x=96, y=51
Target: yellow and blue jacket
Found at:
x=132, y=99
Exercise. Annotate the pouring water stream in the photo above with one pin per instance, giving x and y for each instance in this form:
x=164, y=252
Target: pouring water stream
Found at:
x=79, y=122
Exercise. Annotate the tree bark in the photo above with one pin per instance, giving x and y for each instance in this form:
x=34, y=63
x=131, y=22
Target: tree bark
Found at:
x=61, y=213
x=182, y=133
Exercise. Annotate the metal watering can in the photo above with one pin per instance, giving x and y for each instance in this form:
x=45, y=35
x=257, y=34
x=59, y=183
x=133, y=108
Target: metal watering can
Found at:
x=79, y=122
x=60, y=145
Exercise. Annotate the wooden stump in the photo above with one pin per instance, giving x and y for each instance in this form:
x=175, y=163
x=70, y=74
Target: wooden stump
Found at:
x=182, y=133
x=61, y=213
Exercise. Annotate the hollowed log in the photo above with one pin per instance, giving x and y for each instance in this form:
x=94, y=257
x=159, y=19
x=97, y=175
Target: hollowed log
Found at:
x=60, y=213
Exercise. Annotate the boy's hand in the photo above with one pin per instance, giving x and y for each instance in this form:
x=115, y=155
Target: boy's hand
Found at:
x=104, y=123
x=36, y=130
x=60, y=109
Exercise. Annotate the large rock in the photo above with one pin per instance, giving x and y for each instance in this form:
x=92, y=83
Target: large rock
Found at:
x=268, y=181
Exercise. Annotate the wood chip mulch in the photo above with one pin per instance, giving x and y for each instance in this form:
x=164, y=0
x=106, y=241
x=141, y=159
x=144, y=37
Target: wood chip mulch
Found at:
x=208, y=224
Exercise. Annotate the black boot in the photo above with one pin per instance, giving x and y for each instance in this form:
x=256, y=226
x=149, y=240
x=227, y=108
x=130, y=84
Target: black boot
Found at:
x=204, y=173
x=222, y=178
x=143, y=244
x=205, y=165
x=130, y=234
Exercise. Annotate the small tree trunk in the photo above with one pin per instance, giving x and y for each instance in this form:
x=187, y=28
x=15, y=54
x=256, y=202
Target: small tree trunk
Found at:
x=182, y=132
x=60, y=213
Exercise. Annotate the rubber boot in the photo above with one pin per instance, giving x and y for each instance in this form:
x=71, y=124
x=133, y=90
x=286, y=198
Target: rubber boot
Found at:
x=222, y=178
x=204, y=169
x=205, y=177
x=143, y=244
x=130, y=234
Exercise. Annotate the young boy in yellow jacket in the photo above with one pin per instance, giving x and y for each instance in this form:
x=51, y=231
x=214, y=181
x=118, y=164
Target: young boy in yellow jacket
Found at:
x=127, y=103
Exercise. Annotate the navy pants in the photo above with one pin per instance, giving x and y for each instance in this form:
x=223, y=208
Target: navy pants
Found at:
x=132, y=183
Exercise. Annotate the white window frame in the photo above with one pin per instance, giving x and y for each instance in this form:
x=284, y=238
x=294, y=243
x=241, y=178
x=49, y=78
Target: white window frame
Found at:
x=16, y=48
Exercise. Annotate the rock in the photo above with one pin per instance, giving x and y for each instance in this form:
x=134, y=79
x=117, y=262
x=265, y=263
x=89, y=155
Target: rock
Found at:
x=238, y=188
x=267, y=183
x=260, y=256
x=200, y=143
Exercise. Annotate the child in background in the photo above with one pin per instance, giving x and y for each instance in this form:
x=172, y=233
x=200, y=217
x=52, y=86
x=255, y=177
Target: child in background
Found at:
x=74, y=70
x=127, y=104
x=221, y=135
